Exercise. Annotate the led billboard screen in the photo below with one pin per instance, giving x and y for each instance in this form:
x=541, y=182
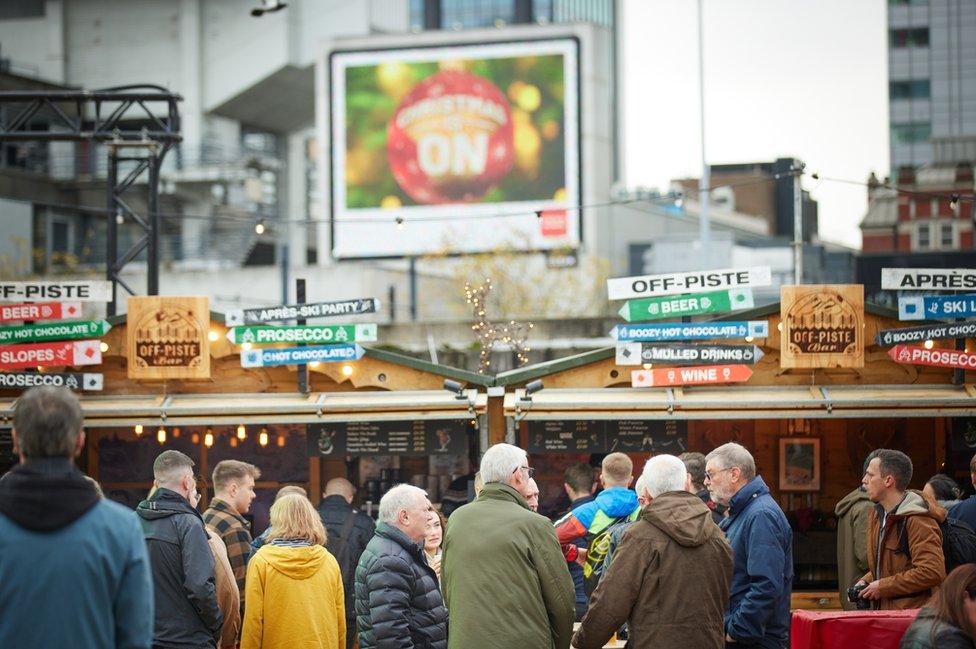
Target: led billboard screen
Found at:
x=455, y=149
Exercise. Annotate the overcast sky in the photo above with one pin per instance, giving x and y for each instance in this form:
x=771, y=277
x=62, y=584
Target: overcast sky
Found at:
x=800, y=78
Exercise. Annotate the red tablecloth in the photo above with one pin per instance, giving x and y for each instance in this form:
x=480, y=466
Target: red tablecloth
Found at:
x=843, y=629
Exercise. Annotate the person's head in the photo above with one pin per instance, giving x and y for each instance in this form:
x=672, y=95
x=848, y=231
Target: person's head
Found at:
x=664, y=473
x=294, y=518
x=955, y=602
x=579, y=480
x=290, y=489
x=695, y=465
x=942, y=487
x=616, y=470
x=340, y=487
x=728, y=469
x=532, y=496
x=479, y=484
x=406, y=507
x=888, y=475
x=233, y=483
x=640, y=487
x=972, y=470
x=48, y=423
x=509, y=465
x=434, y=533
x=174, y=471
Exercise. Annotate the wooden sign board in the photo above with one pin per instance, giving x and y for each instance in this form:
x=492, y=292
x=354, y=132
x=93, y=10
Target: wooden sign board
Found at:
x=823, y=326
x=166, y=337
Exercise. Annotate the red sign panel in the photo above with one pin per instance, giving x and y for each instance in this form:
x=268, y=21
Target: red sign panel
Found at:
x=60, y=354
x=912, y=355
x=553, y=223
x=695, y=375
x=40, y=311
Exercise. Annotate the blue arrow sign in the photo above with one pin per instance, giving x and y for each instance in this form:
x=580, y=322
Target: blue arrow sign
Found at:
x=690, y=331
x=301, y=355
x=939, y=306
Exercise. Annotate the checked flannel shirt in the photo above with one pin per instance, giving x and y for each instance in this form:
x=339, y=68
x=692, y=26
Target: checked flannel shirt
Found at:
x=234, y=530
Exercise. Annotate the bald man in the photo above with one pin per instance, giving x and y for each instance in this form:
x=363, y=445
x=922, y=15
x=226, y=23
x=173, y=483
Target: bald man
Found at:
x=349, y=531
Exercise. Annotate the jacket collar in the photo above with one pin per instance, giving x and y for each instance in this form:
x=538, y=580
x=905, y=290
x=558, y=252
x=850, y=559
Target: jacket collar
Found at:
x=502, y=491
x=168, y=501
x=46, y=494
x=223, y=506
x=752, y=490
x=394, y=533
x=335, y=499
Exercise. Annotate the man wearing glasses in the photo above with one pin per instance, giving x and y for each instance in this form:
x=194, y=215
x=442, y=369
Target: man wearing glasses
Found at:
x=504, y=578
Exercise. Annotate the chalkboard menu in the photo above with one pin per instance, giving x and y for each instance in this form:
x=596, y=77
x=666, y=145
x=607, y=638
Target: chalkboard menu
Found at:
x=607, y=436
x=412, y=437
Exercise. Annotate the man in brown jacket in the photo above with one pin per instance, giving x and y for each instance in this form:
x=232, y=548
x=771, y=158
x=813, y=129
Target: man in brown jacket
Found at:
x=670, y=577
x=905, y=559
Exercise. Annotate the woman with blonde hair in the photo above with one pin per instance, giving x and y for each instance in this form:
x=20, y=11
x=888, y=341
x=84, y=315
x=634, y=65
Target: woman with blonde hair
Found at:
x=293, y=588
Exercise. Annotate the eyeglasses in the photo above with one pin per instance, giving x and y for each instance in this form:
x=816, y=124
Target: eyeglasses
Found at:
x=710, y=475
x=528, y=470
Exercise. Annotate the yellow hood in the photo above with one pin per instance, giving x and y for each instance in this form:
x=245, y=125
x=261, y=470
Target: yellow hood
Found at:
x=295, y=563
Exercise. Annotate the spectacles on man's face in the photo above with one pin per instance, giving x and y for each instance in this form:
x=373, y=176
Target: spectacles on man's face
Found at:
x=529, y=471
x=710, y=475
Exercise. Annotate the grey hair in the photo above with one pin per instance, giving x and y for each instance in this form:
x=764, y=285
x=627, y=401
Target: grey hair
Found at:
x=500, y=462
x=170, y=467
x=48, y=421
x=401, y=496
x=734, y=455
x=663, y=473
x=640, y=486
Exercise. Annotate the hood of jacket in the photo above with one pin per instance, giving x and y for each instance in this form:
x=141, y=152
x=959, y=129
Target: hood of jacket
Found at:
x=163, y=504
x=617, y=501
x=850, y=500
x=682, y=516
x=294, y=562
x=46, y=494
x=915, y=504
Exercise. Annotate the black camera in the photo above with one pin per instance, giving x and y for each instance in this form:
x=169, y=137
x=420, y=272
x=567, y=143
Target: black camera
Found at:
x=854, y=596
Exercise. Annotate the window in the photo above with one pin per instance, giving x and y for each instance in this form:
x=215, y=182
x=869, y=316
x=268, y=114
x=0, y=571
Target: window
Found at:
x=916, y=89
x=946, y=240
x=924, y=239
x=910, y=37
x=911, y=132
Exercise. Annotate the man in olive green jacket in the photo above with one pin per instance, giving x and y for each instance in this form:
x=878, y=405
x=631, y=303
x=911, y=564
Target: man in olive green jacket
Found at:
x=852, y=512
x=504, y=578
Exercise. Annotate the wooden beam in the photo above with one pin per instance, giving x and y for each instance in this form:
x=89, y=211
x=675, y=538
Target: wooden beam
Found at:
x=496, y=420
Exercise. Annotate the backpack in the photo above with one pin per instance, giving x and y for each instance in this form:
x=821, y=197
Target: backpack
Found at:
x=596, y=551
x=958, y=543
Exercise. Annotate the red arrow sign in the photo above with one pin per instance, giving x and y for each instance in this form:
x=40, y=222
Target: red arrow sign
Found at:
x=60, y=354
x=696, y=375
x=912, y=355
x=40, y=311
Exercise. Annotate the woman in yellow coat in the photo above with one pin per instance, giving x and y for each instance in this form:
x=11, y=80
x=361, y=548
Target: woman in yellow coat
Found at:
x=293, y=588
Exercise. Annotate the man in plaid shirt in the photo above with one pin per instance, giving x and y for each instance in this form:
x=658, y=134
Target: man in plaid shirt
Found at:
x=233, y=483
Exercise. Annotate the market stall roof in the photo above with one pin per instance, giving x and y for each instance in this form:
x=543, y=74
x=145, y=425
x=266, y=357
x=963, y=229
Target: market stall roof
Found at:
x=746, y=402
x=270, y=408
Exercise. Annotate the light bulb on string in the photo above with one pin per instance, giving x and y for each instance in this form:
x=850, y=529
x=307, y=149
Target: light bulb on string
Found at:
x=259, y=227
x=263, y=437
x=281, y=441
x=208, y=439
x=161, y=435
x=241, y=432
x=137, y=430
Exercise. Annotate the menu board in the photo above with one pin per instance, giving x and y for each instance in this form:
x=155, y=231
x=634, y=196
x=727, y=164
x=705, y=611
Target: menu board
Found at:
x=411, y=437
x=607, y=436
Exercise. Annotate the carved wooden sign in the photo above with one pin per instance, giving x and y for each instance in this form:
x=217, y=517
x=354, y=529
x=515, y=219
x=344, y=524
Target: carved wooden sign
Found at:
x=166, y=337
x=823, y=326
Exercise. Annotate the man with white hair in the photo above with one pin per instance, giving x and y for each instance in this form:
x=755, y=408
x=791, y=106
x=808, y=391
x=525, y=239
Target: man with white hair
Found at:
x=670, y=577
x=762, y=547
x=532, y=497
x=504, y=577
x=398, y=602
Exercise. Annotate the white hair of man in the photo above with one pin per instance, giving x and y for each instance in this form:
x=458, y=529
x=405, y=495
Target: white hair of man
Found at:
x=734, y=455
x=501, y=461
x=664, y=473
x=399, y=497
x=640, y=486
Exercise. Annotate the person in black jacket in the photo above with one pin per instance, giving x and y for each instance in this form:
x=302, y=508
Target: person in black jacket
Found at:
x=398, y=600
x=187, y=613
x=349, y=531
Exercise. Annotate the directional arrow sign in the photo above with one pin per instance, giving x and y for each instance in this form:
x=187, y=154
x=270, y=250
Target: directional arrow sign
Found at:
x=624, y=288
x=677, y=354
x=66, y=379
x=690, y=376
x=925, y=279
x=948, y=306
x=655, y=308
x=296, y=311
x=260, y=335
x=301, y=355
x=690, y=331
x=911, y=355
x=889, y=337
x=88, y=291
x=54, y=331
x=79, y=352
x=40, y=311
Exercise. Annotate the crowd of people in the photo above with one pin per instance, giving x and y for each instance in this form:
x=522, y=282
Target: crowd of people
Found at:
x=698, y=554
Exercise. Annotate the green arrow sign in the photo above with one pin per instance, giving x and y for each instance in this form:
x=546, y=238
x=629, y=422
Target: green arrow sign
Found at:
x=676, y=306
x=54, y=331
x=267, y=335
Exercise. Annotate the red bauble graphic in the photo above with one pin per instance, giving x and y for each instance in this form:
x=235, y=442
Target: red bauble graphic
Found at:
x=451, y=139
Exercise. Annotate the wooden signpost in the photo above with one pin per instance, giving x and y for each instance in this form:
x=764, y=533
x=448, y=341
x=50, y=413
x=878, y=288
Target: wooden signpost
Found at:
x=690, y=331
x=701, y=375
x=656, y=308
x=40, y=311
x=641, y=286
x=84, y=291
x=912, y=355
x=167, y=337
x=58, y=354
x=678, y=354
x=823, y=326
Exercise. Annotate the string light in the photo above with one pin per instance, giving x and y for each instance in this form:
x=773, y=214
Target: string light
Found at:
x=246, y=346
x=161, y=435
x=103, y=346
x=195, y=438
x=176, y=433
x=137, y=430
x=208, y=438
x=263, y=437
x=281, y=441
x=514, y=333
x=241, y=432
x=929, y=344
x=259, y=227
x=233, y=442
x=213, y=336
x=347, y=370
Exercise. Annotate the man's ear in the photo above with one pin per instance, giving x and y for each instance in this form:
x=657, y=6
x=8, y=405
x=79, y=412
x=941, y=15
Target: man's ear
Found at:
x=594, y=487
x=80, y=444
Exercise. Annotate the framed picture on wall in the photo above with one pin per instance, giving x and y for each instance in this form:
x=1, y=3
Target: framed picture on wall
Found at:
x=799, y=464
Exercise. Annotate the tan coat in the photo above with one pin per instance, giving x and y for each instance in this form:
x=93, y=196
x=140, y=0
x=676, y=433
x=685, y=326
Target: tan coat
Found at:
x=907, y=580
x=228, y=595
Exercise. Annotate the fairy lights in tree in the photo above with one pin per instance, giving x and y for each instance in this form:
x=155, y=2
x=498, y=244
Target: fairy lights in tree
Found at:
x=513, y=333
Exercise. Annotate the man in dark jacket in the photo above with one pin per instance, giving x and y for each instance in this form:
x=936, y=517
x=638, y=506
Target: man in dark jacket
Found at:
x=187, y=613
x=73, y=566
x=672, y=555
x=349, y=531
x=579, y=481
x=966, y=510
x=762, y=551
x=398, y=603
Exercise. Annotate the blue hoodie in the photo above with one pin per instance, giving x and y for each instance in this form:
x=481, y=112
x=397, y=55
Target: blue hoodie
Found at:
x=594, y=516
